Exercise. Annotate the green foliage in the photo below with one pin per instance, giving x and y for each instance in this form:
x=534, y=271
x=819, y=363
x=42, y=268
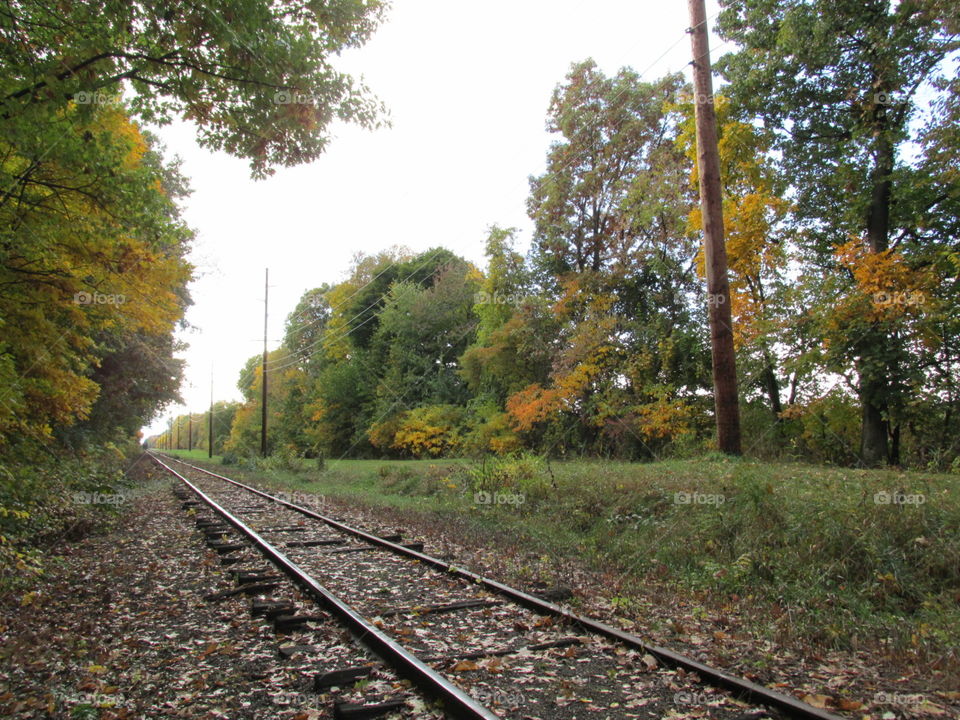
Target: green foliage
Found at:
x=254, y=77
x=594, y=343
x=55, y=496
x=844, y=90
x=523, y=473
x=806, y=553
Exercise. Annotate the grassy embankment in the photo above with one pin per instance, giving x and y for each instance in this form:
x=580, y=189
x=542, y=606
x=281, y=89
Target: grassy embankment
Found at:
x=823, y=556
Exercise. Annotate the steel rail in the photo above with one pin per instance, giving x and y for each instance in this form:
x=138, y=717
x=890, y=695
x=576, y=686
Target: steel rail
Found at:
x=455, y=701
x=741, y=687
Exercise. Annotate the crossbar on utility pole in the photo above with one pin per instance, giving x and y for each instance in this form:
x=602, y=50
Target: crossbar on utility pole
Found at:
x=726, y=400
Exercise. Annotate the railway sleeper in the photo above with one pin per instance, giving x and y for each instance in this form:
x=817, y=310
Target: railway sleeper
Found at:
x=336, y=678
x=446, y=607
x=417, y=547
x=354, y=711
x=315, y=543
x=289, y=623
x=296, y=528
x=271, y=608
x=226, y=547
x=245, y=577
x=251, y=589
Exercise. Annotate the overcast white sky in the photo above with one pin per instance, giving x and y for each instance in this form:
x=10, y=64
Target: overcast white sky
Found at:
x=467, y=86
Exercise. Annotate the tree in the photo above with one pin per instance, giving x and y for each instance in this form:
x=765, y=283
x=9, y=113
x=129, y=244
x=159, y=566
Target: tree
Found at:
x=840, y=84
x=612, y=249
x=92, y=268
x=255, y=77
x=612, y=129
x=756, y=236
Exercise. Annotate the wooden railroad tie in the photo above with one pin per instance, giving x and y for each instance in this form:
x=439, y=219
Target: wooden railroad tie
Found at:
x=335, y=678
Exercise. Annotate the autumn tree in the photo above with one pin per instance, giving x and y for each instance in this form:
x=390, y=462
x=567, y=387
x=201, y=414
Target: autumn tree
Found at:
x=611, y=249
x=841, y=85
x=93, y=282
x=255, y=77
x=757, y=237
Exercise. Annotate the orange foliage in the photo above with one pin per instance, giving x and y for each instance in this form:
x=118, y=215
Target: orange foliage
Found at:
x=531, y=405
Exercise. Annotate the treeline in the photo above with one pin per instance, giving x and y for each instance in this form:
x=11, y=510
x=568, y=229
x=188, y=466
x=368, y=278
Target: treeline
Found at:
x=841, y=210
x=93, y=249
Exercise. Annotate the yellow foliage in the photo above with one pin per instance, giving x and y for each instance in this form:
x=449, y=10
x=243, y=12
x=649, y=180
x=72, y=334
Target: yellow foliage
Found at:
x=430, y=430
x=893, y=289
x=664, y=418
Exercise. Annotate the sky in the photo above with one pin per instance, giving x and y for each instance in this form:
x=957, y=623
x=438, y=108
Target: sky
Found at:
x=467, y=87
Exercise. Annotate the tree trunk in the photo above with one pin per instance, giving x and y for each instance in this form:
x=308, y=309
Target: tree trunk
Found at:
x=894, y=456
x=874, y=430
x=772, y=386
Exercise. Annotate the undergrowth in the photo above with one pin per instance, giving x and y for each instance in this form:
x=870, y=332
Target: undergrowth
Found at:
x=832, y=557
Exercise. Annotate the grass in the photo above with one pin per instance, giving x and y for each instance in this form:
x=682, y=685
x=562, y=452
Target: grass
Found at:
x=828, y=557
x=195, y=455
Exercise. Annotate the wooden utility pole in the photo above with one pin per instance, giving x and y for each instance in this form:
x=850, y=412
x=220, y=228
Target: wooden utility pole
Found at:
x=179, y=424
x=725, y=395
x=210, y=418
x=263, y=394
x=190, y=432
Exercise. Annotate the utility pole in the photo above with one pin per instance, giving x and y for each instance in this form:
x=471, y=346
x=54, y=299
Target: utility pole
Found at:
x=263, y=394
x=179, y=424
x=190, y=432
x=210, y=418
x=726, y=402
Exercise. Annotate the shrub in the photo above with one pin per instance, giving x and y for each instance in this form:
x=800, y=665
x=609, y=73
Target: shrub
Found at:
x=432, y=430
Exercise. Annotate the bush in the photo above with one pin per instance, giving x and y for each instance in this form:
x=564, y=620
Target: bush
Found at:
x=519, y=473
x=432, y=430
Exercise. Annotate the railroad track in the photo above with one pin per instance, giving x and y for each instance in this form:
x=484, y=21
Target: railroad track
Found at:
x=478, y=647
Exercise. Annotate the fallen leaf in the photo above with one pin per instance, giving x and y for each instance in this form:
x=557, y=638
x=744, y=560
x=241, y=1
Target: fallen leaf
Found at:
x=817, y=701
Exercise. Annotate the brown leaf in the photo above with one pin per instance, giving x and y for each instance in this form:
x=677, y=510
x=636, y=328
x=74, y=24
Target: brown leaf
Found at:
x=465, y=666
x=817, y=701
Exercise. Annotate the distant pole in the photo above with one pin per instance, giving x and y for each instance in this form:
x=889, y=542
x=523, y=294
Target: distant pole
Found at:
x=179, y=424
x=210, y=418
x=726, y=399
x=190, y=432
x=263, y=393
